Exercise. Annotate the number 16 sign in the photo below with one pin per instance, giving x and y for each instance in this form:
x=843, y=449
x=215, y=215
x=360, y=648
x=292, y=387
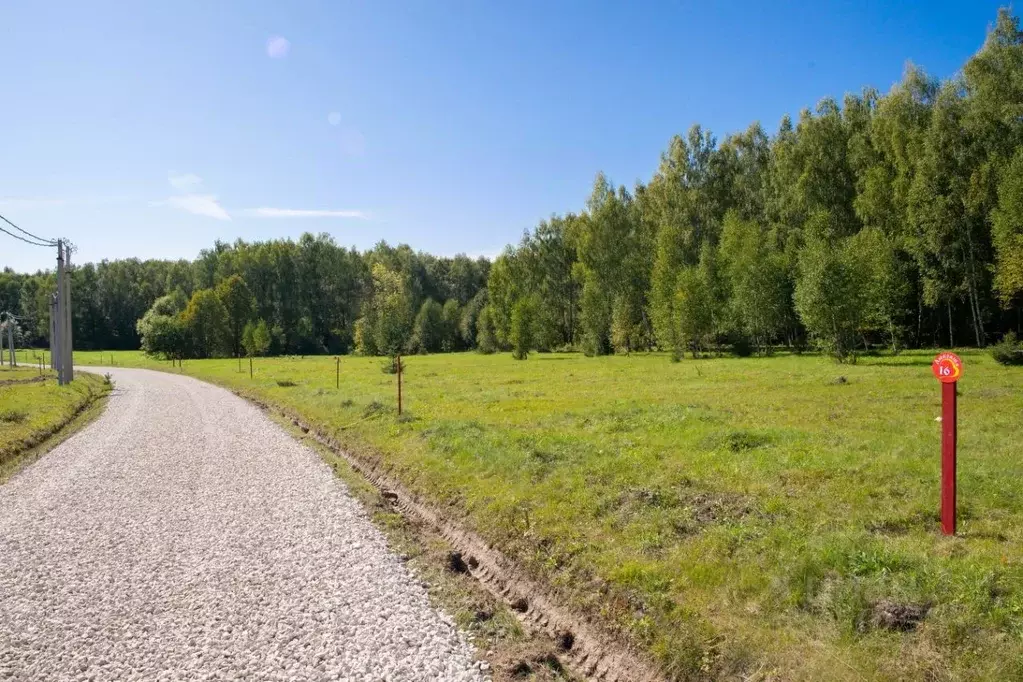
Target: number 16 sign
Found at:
x=947, y=368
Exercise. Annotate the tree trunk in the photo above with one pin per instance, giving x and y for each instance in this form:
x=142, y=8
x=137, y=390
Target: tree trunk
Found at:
x=978, y=327
x=974, y=302
x=951, y=338
x=919, y=318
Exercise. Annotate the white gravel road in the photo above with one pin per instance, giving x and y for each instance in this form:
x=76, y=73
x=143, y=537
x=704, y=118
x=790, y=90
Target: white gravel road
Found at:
x=185, y=536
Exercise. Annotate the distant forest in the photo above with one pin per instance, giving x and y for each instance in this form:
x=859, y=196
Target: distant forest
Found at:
x=890, y=220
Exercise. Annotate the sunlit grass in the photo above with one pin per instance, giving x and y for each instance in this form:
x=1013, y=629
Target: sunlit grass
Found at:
x=730, y=515
x=31, y=411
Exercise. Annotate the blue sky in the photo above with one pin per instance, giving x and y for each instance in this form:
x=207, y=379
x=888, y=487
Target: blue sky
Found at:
x=152, y=129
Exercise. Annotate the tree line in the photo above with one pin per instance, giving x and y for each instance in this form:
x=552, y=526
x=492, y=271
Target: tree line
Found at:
x=887, y=220
x=301, y=297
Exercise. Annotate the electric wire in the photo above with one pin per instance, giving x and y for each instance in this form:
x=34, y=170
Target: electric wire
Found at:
x=39, y=241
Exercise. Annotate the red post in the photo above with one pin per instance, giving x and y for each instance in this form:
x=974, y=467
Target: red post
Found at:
x=948, y=458
x=948, y=368
x=399, y=384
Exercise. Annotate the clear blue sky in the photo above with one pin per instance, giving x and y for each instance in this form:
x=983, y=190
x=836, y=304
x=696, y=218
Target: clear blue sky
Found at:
x=151, y=129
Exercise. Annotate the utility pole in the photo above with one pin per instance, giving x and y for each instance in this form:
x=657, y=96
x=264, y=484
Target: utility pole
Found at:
x=69, y=336
x=10, y=340
x=53, y=330
x=55, y=362
x=59, y=320
x=63, y=317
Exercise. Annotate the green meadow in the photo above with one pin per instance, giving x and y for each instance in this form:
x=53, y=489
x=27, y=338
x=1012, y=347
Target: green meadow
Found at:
x=757, y=518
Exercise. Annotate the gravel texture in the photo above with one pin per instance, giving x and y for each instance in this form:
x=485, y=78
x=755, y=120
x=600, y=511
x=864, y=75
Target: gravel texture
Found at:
x=185, y=536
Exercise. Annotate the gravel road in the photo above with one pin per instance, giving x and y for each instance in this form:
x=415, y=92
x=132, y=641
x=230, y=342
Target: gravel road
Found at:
x=185, y=536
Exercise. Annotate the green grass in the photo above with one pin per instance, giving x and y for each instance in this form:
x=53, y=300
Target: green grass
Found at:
x=31, y=412
x=28, y=360
x=738, y=518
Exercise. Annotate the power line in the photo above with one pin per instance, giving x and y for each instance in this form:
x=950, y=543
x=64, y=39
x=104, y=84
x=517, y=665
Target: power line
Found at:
x=39, y=240
x=27, y=241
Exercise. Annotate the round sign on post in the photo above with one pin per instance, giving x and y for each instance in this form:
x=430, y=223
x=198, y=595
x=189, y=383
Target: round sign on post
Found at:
x=948, y=368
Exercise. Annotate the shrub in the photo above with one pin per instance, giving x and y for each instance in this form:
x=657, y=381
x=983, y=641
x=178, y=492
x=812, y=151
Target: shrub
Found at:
x=390, y=365
x=741, y=347
x=1008, y=351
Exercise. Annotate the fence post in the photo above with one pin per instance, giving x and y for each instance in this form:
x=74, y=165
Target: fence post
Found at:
x=337, y=372
x=250, y=366
x=399, y=385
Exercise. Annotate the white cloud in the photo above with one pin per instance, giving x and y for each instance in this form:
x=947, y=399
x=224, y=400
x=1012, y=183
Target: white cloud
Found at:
x=185, y=182
x=278, y=47
x=198, y=204
x=334, y=118
x=266, y=212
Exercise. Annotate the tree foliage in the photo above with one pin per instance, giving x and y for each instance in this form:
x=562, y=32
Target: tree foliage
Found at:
x=522, y=334
x=205, y=318
x=428, y=330
x=239, y=305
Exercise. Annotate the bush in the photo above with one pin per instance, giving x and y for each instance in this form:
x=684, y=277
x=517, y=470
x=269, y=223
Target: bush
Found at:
x=390, y=365
x=741, y=347
x=1009, y=351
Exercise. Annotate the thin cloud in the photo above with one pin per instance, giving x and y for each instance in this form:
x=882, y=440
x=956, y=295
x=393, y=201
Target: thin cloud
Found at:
x=186, y=182
x=266, y=212
x=278, y=47
x=197, y=204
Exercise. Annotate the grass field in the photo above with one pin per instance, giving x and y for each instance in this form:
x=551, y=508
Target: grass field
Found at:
x=33, y=408
x=760, y=518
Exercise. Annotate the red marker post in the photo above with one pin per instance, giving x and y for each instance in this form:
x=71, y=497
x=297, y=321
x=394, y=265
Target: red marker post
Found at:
x=947, y=368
